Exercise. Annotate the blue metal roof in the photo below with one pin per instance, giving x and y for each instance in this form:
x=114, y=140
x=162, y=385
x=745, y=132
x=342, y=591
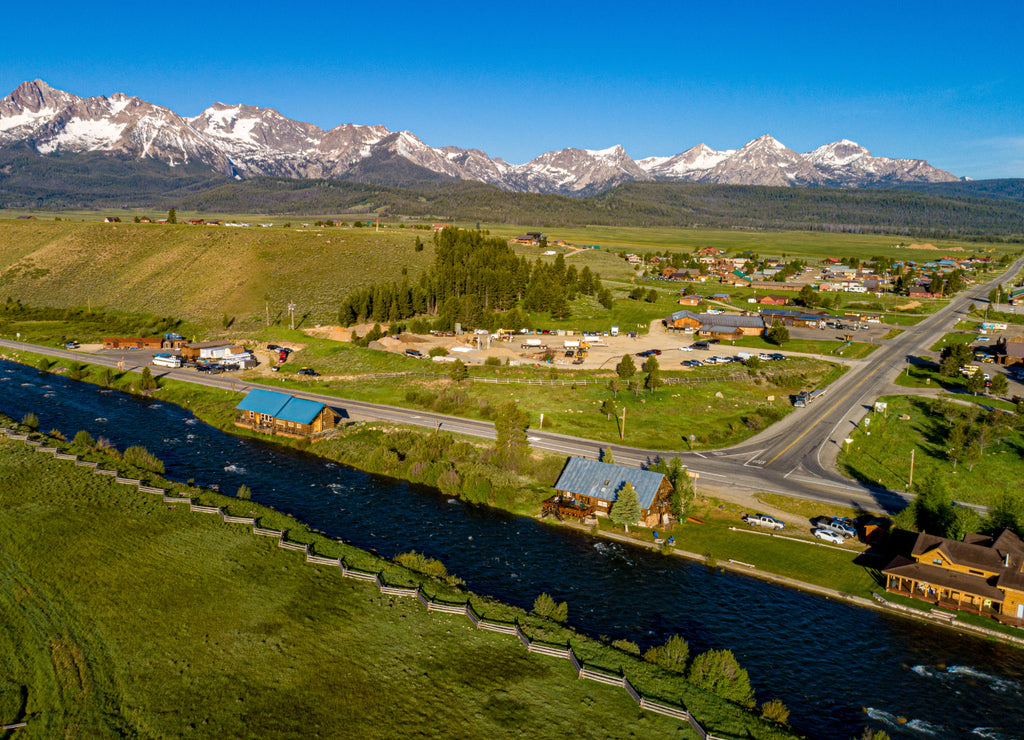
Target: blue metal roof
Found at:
x=280, y=406
x=264, y=402
x=603, y=480
x=300, y=410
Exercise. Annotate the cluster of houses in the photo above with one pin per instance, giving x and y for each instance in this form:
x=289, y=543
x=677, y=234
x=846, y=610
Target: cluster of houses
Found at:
x=832, y=275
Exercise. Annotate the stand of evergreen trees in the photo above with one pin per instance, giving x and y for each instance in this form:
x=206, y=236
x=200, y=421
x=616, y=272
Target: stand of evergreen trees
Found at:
x=477, y=282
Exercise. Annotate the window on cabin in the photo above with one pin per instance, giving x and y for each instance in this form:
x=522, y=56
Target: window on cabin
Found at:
x=937, y=561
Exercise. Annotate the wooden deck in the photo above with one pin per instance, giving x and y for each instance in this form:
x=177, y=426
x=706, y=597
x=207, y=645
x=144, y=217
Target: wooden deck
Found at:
x=563, y=510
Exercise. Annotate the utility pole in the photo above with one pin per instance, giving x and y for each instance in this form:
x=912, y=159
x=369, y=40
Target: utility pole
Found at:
x=268, y=312
x=911, y=481
x=622, y=429
x=291, y=312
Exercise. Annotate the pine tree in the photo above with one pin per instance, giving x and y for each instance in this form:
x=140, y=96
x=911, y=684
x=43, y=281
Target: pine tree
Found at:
x=626, y=369
x=626, y=509
x=172, y=216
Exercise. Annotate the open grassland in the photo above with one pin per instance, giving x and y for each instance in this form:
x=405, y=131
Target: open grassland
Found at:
x=200, y=273
x=125, y=616
x=880, y=453
x=807, y=245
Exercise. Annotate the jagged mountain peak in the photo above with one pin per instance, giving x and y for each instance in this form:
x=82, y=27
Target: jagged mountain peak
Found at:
x=246, y=140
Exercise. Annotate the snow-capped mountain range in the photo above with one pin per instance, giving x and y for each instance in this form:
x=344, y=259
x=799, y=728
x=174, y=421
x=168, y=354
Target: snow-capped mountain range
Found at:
x=246, y=141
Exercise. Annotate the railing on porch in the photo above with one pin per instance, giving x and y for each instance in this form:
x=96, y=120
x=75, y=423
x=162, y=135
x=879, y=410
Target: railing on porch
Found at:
x=566, y=509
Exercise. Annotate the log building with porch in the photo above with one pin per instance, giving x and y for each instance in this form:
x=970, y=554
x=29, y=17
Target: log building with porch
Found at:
x=285, y=415
x=587, y=487
x=979, y=574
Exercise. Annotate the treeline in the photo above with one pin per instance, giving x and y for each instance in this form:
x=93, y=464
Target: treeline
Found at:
x=478, y=282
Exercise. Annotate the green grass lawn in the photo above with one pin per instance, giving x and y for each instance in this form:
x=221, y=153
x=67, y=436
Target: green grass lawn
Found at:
x=953, y=337
x=853, y=350
x=658, y=420
x=125, y=616
x=803, y=561
x=880, y=453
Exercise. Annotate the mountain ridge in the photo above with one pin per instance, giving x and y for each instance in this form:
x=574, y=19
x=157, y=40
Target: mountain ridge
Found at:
x=245, y=141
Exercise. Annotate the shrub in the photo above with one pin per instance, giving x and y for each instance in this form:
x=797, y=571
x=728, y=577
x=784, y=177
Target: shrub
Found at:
x=83, y=439
x=449, y=482
x=626, y=646
x=545, y=606
x=493, y=362
x=139, y=457
x=244, y=493
x=419, y=563
x=719, y=672
x=437, y=352
x=44, y=364
x=672, y=656
x=775, y=711
x=30, y=421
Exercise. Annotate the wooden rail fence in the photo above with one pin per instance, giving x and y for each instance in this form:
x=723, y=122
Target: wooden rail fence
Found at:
x=465, y=609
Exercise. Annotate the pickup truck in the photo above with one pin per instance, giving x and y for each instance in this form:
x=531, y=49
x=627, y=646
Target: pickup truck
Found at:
x=834, y=524
x=763, y=520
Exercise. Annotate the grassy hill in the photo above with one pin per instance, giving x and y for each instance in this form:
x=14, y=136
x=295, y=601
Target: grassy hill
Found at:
x=198, y=273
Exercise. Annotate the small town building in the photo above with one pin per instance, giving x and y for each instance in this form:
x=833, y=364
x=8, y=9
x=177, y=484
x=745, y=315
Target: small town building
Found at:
x=192, y=351
x=594, y=486
x=979, y=574
x=790, y=317
x=272, y=412
x=690, y=300
x=1010, y=351
x=773, y=300
x=1017, y=296
x=132, y=343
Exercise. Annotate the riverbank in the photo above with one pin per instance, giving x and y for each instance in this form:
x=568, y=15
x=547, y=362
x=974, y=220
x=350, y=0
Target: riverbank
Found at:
x=235, y=632
x=886, y=603
x=216, y=408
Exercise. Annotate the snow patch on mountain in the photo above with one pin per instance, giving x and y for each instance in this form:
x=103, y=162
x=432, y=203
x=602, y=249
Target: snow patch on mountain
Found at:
x=84, y=135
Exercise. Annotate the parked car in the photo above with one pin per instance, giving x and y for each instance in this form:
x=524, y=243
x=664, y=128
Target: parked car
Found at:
x=835, y=524
x=763, y=520
x=696, y=363
x=648, y=352
x=71, y=344
x=686, y=349
x=274, y=348
x=308, y=371
x=824, y=534
x=764, y=357
x=778, y=356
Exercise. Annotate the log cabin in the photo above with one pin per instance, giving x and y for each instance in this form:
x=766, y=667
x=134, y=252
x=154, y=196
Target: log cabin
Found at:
x=285, y=415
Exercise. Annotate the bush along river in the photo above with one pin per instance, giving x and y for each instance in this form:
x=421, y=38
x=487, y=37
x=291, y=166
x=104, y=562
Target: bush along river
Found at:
x=837, y=667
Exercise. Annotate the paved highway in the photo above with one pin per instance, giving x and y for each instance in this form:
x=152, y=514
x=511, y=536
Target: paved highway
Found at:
x=795, y=456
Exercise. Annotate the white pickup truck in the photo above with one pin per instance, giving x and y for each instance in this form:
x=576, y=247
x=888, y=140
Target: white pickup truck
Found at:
x=763, y=520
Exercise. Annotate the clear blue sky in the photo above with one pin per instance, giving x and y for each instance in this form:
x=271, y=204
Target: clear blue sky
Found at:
x=942, y=81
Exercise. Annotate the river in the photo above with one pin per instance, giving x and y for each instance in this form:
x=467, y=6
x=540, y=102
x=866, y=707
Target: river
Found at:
x=837, y=667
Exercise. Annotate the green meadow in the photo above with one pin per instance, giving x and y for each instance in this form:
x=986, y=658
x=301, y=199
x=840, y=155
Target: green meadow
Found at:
x=123, y=616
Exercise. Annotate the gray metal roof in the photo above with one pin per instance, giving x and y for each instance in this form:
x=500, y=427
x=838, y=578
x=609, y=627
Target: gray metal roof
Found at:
x=603, y=480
